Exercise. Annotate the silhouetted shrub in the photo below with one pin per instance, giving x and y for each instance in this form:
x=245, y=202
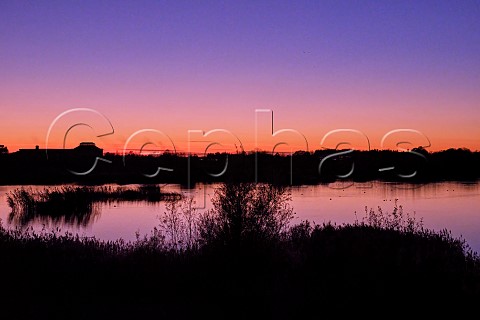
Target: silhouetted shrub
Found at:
x=244, y=212
x=179, y=224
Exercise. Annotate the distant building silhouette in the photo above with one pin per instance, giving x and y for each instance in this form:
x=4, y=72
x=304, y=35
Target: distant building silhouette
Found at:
x=3, y=149
x=85, y=149
x=88, y=149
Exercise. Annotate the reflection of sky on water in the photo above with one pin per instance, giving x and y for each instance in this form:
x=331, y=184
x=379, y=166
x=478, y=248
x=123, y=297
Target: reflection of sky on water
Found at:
x=454, y=206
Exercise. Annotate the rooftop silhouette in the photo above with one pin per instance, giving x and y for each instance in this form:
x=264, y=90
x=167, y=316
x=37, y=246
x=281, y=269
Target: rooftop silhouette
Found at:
x=83, y=149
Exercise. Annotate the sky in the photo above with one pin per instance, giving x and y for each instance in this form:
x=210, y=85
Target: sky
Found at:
x=203, y=75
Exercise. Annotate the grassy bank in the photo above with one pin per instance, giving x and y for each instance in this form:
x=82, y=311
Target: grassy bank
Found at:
x=310, y=268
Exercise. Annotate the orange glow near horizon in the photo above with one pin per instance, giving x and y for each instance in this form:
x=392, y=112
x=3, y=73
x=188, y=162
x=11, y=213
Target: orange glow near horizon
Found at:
x=27, y=133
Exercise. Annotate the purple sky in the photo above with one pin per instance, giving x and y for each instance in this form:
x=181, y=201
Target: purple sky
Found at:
x=179, y=65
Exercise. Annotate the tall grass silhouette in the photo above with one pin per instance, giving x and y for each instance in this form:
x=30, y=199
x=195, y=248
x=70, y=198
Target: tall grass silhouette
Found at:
x=76, y=204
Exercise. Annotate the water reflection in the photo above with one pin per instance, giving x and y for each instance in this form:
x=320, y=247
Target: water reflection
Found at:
x=451, y=205
x=81, y=215
x=73, y=205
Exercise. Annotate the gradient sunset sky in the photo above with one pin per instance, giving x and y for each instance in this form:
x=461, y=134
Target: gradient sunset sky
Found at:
x=372, y=66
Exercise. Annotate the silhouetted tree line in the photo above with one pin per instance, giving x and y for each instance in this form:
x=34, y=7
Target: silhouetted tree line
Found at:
x=302, y=167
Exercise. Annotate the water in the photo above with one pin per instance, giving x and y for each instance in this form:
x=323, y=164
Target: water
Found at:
x=447, y=205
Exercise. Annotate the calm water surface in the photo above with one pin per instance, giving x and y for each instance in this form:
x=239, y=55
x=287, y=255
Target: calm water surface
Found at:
x=448, y=205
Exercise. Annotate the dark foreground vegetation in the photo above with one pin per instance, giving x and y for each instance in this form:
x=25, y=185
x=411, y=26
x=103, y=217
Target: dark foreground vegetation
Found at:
x=241, y=259
x=320, y=166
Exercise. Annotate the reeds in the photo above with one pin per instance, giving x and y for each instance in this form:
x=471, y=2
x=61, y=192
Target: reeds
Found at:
x=76, y=204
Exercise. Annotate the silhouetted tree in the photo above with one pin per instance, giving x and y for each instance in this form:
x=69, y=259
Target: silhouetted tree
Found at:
x=246, y=212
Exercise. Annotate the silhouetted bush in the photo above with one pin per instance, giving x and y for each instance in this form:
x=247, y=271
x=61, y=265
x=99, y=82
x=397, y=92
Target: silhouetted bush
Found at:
x=246, y=212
